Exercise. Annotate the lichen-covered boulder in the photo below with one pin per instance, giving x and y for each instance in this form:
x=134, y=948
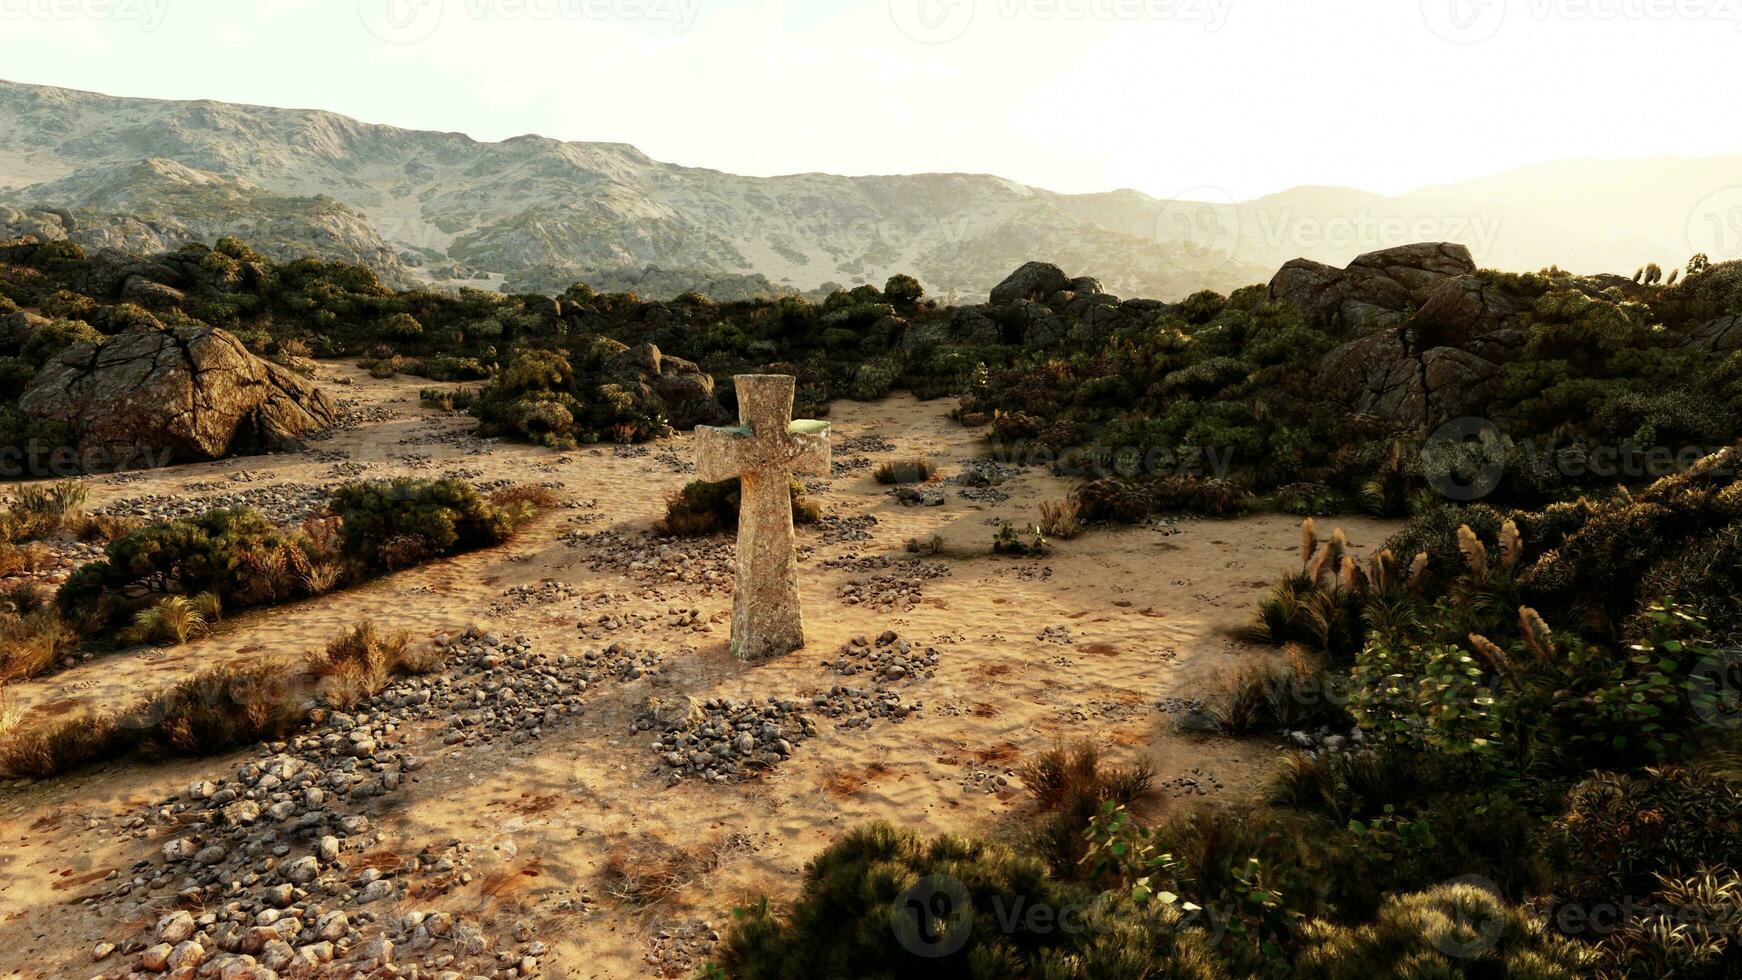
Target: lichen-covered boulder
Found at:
x=1376, y=290
x=174, y=395
x=673, y=387
x=1720, y=336
x=1035, y=281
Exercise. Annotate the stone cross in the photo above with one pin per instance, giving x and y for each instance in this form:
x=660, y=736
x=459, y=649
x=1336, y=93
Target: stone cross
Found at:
x=762, y=451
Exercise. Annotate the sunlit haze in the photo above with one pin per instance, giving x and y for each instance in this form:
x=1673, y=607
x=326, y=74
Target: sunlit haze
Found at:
x=1176, y=98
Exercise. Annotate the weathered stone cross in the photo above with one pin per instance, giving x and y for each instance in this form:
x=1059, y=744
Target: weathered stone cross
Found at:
x=762, y=450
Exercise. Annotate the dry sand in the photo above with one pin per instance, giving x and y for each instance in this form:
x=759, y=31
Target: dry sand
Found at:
x=1083, y=643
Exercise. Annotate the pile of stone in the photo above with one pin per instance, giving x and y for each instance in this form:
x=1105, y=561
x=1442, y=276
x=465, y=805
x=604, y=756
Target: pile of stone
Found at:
x=1326, y=740
x=51, y=562
x=981, y=478
x=722, y=739
x=843, y=466
x=674, y=618
x=857, y=707
x=282, y=503
x=918, y=496
x=351, y=417
x=679, y=948
x=871, y=443
x=901, y=590
x=990, y=781
x=891, y=660
x=271, y=859
x=538, y=593
x=1197, y=782
x=843, y=530
x=706, y=562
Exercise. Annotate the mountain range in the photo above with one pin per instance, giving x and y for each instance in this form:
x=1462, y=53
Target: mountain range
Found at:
x=531, y=214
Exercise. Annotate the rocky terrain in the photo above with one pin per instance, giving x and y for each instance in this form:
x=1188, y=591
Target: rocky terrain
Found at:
x=588, y=783
x=146, y=175
x=155, y=395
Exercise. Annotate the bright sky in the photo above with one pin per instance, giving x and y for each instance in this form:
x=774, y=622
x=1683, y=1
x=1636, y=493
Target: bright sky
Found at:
x=1188, y=98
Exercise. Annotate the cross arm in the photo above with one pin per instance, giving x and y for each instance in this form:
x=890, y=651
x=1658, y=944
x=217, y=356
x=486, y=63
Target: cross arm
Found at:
x=721, y=452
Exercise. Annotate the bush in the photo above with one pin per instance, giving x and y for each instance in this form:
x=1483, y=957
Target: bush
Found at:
x=1209, y=496
x=1451, y=931
x=237, y=555
x=218, y=710
x=1267, y=699
x=1621, y=831
x=1058, y=519
x=1072, y=785
x=356, y=665
x=41, y=753
x=702, y=508
x=222, y=708
x=173, y=620
x=899, y=471
x=31, y=639
x=1028, y=543
x=1687, y=929
x=387, y=524
x=841, y=923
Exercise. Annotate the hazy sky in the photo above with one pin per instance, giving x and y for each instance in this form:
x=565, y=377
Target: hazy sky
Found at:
x=1191, y=98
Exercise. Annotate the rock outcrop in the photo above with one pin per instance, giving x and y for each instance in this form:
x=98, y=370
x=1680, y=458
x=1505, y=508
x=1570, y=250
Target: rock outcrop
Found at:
x=1721, y=336
x=1427, y=337
x=1375, y=290
x=173, y=395
x=1035, y=281
x=678, y=389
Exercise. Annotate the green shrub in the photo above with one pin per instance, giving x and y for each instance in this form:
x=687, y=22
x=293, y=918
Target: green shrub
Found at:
x=382, y=521
x=881, y=902
x=237, y=555
x=702, y=508
x=1455, y=930
x=1620, y=831
x=173, y=620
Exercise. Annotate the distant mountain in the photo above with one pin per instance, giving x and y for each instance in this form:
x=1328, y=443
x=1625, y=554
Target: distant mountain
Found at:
x=534, y=213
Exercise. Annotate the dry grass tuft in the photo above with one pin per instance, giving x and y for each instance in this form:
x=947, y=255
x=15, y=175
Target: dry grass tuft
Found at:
x=357, y=664
x=1060, y=519
x=538, y=497
x=1072, y=784
x=915, y=470
x=649, y=872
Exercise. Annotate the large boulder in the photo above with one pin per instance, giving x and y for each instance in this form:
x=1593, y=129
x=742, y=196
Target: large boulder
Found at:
x=1034, y=282
x=109, y=270
x=1721, y=336
x=1459, y=313
x=1376, y=290
x=1379, y=375
x=675, y=388
x=173, y=395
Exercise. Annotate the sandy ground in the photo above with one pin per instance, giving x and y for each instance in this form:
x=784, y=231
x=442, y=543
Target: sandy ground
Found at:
x=1083, y=643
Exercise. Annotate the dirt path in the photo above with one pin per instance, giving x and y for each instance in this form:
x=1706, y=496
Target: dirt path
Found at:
x=1083, y=643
